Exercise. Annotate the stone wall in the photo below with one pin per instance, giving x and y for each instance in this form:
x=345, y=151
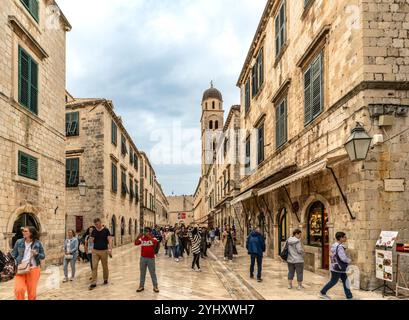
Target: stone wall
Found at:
x=41, y=135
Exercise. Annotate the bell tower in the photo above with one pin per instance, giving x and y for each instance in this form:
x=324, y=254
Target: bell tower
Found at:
x=212, y=123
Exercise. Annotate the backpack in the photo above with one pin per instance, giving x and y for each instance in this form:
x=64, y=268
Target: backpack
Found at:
x=284, y=252
x=338, y=264
x=8, y=267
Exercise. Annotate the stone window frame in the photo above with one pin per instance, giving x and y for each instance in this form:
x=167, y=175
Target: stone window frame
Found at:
x=76, y=183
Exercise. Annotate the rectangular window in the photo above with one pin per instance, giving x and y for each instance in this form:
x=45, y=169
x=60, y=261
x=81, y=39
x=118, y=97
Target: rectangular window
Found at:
x=313, y=93
x=131, y=191
x=114, y=134
x=114, y=178
x=257, y=74
x=260, y=144
x=135, y=161
x=72, y=172
x=281, y=123
x=72, y=124
x=79, y=224
x=248, y=156
x=131, y=157
x=124, y=187
x=27, y=166
x=33, y=7
x=280, y=30
x=124, y=149
x=136, y=191
x=27, y=81
x=247, y=97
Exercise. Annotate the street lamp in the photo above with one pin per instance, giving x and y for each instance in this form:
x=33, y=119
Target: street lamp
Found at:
x=358, y=144
x=82, y=187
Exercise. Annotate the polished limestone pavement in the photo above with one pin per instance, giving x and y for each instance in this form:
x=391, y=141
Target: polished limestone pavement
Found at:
x=219, y=280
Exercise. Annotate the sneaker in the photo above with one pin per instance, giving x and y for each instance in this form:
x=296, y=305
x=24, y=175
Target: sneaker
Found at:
x=65, y=280
x=156, y=290
x=259, y=280
x=140, y=289
x=324, y=296
x=92, y=286
x=290, y=286
x=300, y=287
x=199, y=270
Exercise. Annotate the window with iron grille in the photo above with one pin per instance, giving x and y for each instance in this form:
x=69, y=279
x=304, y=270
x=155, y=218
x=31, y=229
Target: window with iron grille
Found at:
x=72, y=172
x=72, y=124
x=27, y=166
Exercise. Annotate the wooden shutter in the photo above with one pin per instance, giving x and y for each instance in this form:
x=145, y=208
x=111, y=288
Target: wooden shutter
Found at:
x=114, y=133
x=247, y=96
x=33, y=168
x=277, y=35
x=24, y=78
x=317, y=96
x=260, y=61
x=33, y=86
x=23, y=166
x=114, y=178
x=308, y=96
x=260, y=148
x=254, y=80
x=34, y=9
x=281, y=123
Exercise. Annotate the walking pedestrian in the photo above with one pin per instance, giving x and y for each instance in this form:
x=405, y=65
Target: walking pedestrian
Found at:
x=205, y=236
x=339, y=266
x=70, y=254
x=256, y=246
x=158, y=236
x=295, y=259
x=212, y=235
x=171, y=241
x=147, y=261
x=196, y=241
x=217, y=236
x=228, y=243
x=28, y=253
x=102, y=240
x=89, y=246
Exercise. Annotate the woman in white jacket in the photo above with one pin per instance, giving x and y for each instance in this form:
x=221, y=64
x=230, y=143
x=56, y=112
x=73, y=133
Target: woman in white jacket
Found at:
x=295, y=259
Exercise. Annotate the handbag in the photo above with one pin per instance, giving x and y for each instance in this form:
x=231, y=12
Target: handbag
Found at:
x=284, y=252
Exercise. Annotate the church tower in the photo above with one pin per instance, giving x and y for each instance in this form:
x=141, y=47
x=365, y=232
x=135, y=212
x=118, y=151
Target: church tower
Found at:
x=212, y=123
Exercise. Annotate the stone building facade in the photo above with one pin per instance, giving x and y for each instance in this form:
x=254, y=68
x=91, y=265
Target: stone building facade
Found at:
x=32, y=91
x=147, y=191
x=315, y=69
x=161, y=206
x=101, y=153
x=180, y=210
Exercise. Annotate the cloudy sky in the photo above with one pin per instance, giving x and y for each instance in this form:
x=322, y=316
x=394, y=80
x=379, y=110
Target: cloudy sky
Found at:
x=154, y=59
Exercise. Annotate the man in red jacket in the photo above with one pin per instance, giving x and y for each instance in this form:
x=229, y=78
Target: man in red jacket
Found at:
x=148, y=244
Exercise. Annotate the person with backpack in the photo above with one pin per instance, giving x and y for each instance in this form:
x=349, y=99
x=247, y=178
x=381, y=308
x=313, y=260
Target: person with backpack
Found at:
x=339, y=266
x=148, y=244
x=70, y=254
x=256, y=246
x=28, y=253
x=295, y=259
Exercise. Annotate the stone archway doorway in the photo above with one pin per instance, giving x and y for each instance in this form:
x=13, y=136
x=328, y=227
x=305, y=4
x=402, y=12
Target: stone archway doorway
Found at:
x=23, y=220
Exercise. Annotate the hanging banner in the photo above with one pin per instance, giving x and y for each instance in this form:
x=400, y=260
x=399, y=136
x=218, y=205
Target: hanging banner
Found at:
x=384, y=265
x=387, y=239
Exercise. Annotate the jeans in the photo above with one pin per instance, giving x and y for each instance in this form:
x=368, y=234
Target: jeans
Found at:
x=196, y=260
x=72, y=263
x=148, y=263
x=335, y=276
x=296, y=267
x=259, y=259
x=171, y=250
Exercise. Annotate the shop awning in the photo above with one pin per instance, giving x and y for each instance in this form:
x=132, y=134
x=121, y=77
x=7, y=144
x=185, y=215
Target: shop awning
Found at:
x=312, y=169
x=243, y=197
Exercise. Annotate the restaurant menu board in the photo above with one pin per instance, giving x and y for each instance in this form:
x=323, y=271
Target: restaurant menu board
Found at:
x=387, y=239
x=384, y=265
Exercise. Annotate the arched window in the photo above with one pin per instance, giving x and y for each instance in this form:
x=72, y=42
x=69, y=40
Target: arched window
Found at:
x=213, y=105
x=282, y=229
x=211, y=125
x=130, y=227
x=122, y=226
x=206, y=105
x=216, y=125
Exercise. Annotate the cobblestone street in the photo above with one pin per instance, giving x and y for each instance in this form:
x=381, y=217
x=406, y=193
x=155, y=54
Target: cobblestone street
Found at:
x=220, y=280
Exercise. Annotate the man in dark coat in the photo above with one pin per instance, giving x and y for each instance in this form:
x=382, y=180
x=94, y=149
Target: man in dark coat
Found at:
x=256, y=246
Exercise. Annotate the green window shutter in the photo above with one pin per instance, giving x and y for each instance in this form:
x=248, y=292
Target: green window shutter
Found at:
x=277, y=35
x=308, y=96
x=114, y=178
x=317, y=96
x=260, y=151
x=247, y=96
x=27, y=166
x=34, y=9
x=254, y=81
x=33, y=86
x=24, y=78
x=281, y=123
x=260, y=68
x=114, y=133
